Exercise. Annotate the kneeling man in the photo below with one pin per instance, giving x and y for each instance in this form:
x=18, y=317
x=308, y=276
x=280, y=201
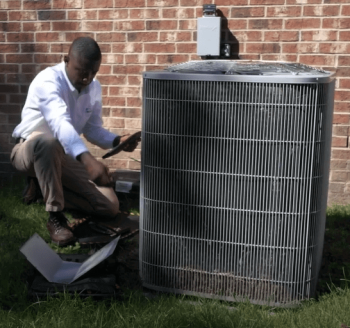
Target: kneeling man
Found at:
x=63, y=102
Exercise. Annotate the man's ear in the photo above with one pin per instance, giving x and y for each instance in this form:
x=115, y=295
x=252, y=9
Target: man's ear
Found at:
x=66, y=59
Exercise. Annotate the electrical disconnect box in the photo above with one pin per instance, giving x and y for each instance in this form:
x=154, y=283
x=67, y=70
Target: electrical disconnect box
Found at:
x=208, y=32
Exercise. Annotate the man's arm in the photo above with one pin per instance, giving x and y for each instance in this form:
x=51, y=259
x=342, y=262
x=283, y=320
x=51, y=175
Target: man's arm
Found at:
x=54, y=110
x=98, y=172
x=93, y=129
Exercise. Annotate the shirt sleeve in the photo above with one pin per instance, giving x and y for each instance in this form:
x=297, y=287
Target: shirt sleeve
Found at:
x=93, y=129
x=56, y=114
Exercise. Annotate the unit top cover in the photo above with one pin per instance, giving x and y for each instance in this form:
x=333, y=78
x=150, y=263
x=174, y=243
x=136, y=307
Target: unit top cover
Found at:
x=247, y=67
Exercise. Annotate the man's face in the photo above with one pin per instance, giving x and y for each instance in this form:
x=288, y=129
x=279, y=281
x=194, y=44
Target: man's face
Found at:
x=80, y=70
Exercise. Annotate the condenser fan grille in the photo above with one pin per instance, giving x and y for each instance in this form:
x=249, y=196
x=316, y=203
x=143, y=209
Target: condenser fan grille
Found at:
x=246, y=67
x=232, y=187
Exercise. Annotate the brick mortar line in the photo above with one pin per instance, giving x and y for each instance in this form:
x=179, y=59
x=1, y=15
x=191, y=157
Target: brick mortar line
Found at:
x=191, y=18
x=170, y=30
x=193, y=7
x=322, y=17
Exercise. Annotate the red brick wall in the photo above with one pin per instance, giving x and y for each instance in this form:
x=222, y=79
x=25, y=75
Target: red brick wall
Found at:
x=139, y=35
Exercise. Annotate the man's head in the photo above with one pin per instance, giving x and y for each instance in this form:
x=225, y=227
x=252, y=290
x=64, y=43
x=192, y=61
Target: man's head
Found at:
x=82, y=62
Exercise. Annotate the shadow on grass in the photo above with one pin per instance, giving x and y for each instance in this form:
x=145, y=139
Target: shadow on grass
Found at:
x=17, y=223
x=335, y=269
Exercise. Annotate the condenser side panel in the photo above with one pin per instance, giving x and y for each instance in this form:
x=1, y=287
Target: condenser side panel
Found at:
x=228, y=175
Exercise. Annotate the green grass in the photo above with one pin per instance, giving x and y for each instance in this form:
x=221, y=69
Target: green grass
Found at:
x=331, y=310
x=18, y=222
x=336, y=263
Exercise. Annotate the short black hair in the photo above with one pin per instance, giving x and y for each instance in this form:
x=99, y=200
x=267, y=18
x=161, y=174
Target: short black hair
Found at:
x=86, y=47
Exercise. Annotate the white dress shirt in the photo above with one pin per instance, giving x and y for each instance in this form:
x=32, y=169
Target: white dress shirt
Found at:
x=53, y=106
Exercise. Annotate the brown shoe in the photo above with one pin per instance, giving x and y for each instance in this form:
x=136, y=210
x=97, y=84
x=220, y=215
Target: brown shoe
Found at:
x=32, y=193
x=59, y=230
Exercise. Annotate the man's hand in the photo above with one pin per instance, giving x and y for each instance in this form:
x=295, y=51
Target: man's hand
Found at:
x=98, y=172
x=131, y=145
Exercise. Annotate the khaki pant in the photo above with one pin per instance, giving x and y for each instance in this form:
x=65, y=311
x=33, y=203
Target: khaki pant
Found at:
x=63, y=180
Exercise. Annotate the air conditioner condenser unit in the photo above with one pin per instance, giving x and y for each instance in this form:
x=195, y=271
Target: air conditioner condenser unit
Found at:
x=234, y=179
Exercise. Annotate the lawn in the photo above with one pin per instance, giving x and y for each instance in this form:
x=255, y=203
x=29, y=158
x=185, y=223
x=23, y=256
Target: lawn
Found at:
x=18, y=222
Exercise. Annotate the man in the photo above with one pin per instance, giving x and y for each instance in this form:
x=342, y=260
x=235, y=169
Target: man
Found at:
x=64, y=101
